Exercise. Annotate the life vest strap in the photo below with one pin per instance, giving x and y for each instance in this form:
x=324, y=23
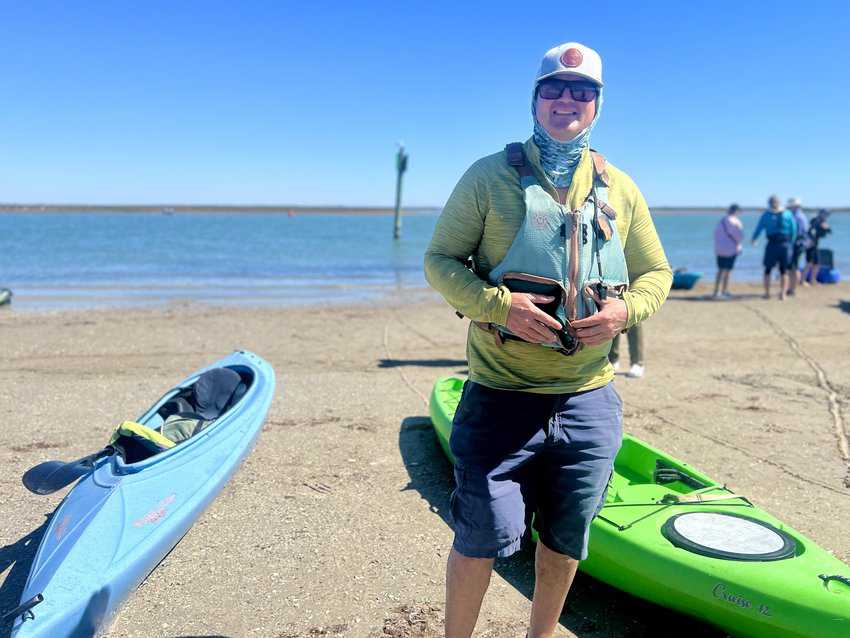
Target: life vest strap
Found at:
x=515, y=152
x=516, y=158
x=600, y=167
x=501, y=336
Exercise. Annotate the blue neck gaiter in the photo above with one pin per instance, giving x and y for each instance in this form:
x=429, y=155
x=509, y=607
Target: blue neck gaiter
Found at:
x=560, y=159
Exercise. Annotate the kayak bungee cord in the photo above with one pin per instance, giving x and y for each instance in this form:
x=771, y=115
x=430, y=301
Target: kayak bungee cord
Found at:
x=666, y=502
x=840, y=579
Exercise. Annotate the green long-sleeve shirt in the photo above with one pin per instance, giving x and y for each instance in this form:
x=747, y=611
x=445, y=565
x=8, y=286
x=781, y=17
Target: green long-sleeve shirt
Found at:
x=481, y=218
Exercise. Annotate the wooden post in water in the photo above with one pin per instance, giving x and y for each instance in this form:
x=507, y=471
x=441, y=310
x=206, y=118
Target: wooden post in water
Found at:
x=401, y=166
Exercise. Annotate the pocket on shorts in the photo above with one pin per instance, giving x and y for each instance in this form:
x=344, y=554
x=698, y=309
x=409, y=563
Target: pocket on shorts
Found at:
x=477, y=404
x=490, y=424
x=602, y=498
x=462, y=403
x=472, y=422
x=453, y=498
x=618, y=401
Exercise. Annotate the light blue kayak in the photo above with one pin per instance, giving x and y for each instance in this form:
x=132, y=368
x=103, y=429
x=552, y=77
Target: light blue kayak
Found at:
x=120, y=520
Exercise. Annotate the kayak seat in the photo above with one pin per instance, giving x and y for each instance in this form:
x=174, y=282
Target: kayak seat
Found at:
x=238, y=393
x=175, y=405
x=177, y=418
x=213, y=392
x=197, y=407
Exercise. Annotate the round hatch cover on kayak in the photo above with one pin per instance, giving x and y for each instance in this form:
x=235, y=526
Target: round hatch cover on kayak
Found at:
x=728, y=536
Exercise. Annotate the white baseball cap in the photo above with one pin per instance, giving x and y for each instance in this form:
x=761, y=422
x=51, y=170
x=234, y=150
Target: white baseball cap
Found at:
x=794, y=201
x=572, y=58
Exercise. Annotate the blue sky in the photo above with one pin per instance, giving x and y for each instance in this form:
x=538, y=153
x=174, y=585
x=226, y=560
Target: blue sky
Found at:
x=302, y=103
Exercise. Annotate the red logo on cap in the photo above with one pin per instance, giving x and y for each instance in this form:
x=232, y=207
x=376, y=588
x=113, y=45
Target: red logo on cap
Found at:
x=571, y=57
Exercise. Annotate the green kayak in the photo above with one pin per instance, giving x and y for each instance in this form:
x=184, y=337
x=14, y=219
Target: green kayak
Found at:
x=674, y=536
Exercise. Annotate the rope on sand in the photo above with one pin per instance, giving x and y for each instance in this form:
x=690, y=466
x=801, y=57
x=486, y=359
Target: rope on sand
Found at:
x=823, y=382
x=404, y=378
x=729, y=446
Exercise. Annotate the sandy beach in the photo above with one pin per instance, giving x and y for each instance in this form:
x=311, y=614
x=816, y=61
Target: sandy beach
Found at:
x=337, y=525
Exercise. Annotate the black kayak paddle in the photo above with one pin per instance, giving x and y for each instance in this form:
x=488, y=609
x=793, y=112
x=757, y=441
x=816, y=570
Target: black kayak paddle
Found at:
x=46, y=478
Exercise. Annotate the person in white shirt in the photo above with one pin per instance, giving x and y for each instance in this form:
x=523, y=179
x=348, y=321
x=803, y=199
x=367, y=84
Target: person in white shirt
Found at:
x=801, y=243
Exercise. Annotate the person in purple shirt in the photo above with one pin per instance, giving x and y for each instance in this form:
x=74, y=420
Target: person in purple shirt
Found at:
x=781, y=230
x=728, y=235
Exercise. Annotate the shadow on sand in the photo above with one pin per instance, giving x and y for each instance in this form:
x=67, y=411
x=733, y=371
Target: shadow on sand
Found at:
x=844, y=306
x=593, y=609
x=19, y=556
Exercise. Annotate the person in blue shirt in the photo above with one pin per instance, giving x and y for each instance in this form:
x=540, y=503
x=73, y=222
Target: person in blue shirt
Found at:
x=781, y=230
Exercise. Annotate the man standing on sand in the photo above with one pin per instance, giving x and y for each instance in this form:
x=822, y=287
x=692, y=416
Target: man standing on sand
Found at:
x=781, y=229
x=634, y=335
x=818, y=229
x=801, y=242
x=566, y=256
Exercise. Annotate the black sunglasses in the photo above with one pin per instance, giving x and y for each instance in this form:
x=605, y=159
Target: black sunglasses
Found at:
x=580, y=91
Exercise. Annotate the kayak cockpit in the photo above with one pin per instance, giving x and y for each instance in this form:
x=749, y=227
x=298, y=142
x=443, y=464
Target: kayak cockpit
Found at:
x=643, y=473
x=183, y=413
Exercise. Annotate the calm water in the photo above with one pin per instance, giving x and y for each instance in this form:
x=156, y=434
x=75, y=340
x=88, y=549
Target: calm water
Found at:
x=90, y=259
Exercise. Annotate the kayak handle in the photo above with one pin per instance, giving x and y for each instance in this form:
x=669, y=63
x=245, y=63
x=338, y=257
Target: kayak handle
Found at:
x=840, y=579
x=24, y=609
x=665, y=473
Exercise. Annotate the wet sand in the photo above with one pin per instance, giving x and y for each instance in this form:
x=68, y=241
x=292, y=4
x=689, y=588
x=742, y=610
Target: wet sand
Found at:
x=337, y=523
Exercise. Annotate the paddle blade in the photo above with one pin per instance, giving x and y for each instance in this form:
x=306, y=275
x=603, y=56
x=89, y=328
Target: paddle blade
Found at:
x=47, y=477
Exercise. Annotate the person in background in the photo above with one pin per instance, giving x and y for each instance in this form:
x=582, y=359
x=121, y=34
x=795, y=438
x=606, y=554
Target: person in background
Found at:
x=635, y=336
x=728, y=235
x=801, y=242
x=818, y=229
x=781, y=230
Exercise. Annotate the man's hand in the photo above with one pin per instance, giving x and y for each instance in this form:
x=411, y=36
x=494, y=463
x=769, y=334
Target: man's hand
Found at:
x=529, y=322
x=604, y=325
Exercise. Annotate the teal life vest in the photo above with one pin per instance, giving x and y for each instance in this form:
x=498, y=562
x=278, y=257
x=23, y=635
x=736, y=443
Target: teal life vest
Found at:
x=575, y=256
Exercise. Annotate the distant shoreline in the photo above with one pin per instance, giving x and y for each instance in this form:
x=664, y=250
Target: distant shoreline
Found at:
x=216, y=208
x=313, y=210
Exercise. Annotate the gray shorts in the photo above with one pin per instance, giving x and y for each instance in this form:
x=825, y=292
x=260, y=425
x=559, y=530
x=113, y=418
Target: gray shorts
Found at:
x=519, y=453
